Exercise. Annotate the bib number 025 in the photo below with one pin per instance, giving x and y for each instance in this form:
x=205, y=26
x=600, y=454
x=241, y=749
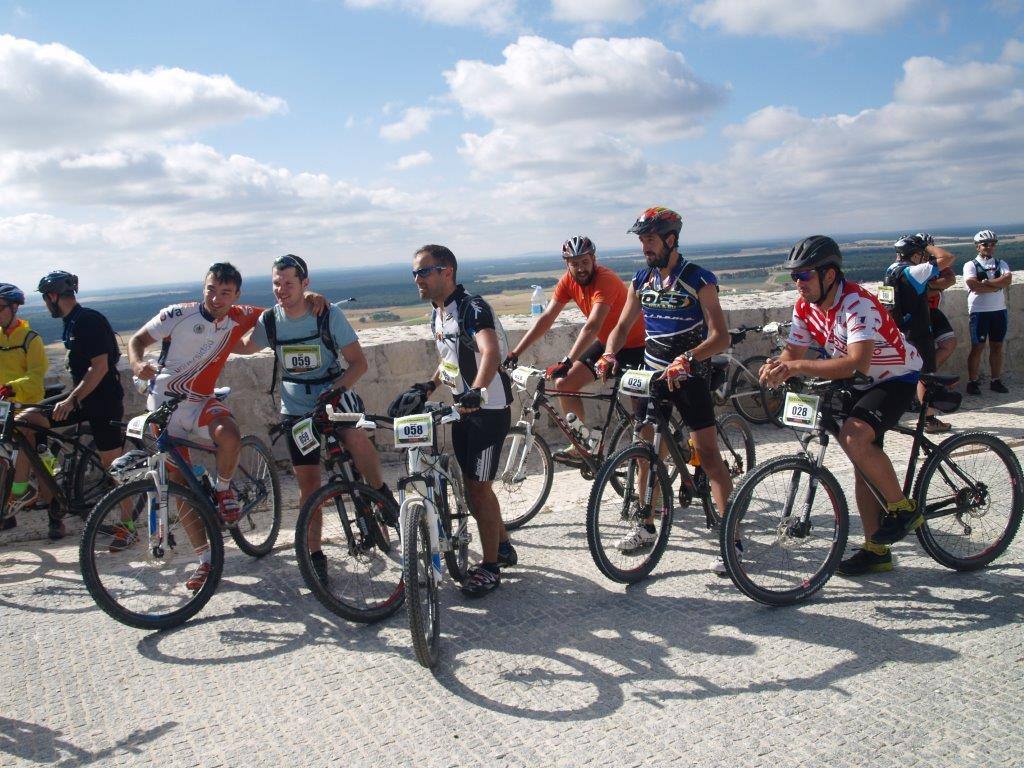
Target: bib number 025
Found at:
x=800, y=411
x=416, y=431
x=637, y=383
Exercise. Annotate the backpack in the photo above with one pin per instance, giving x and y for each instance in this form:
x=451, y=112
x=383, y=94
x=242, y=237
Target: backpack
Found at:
x=468, y=341
x=909, y=309
x=24, y=343
x=981, y=273
x=322, y=334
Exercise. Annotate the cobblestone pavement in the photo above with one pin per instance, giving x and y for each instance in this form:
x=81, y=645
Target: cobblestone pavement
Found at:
x=921, y=666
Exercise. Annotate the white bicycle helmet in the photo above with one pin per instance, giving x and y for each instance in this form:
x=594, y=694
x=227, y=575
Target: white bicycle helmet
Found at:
x=986, y=236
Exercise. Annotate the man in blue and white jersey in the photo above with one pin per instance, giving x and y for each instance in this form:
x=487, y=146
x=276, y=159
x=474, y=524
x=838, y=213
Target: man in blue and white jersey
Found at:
x=320, y=360
x=685, y=326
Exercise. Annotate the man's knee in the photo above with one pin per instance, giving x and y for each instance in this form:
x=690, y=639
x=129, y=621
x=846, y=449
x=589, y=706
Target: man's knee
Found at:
x=225, y=433
x=856, y=435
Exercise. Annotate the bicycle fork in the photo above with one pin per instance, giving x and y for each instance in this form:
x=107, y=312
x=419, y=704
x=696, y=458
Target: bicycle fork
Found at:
x=800, y=527
x=521, y=445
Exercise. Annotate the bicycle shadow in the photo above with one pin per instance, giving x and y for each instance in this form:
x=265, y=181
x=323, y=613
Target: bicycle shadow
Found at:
x=59, y=583
x=39, y=744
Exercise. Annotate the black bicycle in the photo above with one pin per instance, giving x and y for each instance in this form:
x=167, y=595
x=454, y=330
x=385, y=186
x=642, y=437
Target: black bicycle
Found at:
x=624, y=494
x=791, y=518
x=357, y=526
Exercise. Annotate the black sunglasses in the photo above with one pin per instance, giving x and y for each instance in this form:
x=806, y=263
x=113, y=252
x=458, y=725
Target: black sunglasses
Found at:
x=803, y=276
x=284, y=262
x=425, y=271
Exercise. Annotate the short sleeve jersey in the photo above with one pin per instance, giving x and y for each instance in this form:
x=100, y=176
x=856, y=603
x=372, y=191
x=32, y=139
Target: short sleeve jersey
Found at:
x=86, y=335
x=856, y=316
x=673, y=318
x=195, y=347
x=935, y=297
x=305, y=358
x=985, y=302
x=460, y=361
x=605, y=287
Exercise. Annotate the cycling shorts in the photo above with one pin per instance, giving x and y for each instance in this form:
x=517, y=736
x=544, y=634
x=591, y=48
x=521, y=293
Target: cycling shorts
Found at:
x=942, y=329
x=191, y=419
x=692, y=400
x=99, y=413
x=632, y=357
x=989, y=326
x=477, y=439
x=882, y=406
x=298, y=460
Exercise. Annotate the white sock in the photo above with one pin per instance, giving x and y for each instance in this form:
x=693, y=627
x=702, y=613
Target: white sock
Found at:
x=204, y=557
x=222, y=484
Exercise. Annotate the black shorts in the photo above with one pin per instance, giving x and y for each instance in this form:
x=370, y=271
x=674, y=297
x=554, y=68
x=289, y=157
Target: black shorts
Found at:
x=298, y=460
x=692, y=400
x=99, y=414
x=989, y=326
x=942, y=329
x=882, y=406
x=632, y=357
x=925, y=346
x=476, y=440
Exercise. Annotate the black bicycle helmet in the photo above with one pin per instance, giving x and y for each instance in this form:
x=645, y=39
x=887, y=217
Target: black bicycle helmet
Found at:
x=577, y=246
x=908, y=245
x=12, y=294
x=60, y=282
x=657, y=220
x=814, y=252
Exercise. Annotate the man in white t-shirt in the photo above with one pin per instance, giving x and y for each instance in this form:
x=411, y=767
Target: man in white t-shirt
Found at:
x=987, y=279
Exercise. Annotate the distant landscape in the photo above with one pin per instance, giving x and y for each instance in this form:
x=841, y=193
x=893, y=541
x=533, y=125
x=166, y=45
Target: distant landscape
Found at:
x=385, y=295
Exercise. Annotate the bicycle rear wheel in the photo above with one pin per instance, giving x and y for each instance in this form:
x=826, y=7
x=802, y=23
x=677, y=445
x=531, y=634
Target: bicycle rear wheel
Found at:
x=90, y=481
x=362, y=560
x=970, y=490
x=613, y=518
x=456, y=525
x=421, y=586
x=525, y=474
x=753, y=402
x=133, y=582
x=736, y=444
x=780, y=558
x=258, y=487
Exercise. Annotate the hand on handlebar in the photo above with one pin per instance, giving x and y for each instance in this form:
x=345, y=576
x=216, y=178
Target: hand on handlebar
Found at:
x=677, y=372
x=774, y=372
x=471, y=401
x=559, y=369
x=606, y=365
x=510, y=362
x=143, y=369
x=7, y=392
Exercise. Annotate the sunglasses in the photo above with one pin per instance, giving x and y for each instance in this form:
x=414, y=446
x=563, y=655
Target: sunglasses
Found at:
x=284, y=262
x=988, y=244
x=425, y=271
x=801, y=277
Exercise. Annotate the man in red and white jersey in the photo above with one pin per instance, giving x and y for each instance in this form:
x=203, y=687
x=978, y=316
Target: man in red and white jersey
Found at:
x=859, y=335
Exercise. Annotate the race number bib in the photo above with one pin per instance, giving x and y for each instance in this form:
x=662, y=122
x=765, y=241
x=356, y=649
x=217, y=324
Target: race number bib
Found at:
x=137, y=426
x=887, y=296
x=5, y=408
x=524, y=376
x=800, y=411
x=416, y=431
x=637, y=383
x=304, y=436
x=301, y=358
x=449, y=373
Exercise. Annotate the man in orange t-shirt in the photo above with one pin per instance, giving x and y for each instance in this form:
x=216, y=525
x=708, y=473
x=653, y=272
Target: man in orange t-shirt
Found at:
x=600, y=294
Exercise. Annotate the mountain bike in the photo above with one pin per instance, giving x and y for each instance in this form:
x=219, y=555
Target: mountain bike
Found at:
x=144, y=536
x=792, y=519
x=358, y=525
x=434, y=522
x=646, y=481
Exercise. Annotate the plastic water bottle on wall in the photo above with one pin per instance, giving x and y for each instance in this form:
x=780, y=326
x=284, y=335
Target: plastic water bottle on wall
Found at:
x=537, y=301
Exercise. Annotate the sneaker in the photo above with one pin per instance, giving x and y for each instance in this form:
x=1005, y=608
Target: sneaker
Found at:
x=227, y=507
x=479, y=581
x=973, y=388
x=507, y=555
x=863, y=562
x=55, y=529
x=198, y=578
x=319, y=562
x=568, y=455
x=996, y=385
x=933, y=425
x=8, y=523
x=122, y=538
x=896, y=525
x=637, y=539
x=719, y=569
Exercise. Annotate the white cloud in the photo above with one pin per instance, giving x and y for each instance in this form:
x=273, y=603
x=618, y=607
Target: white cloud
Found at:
x=797, y=18
x=98, y=108
x=405, y=162
x=591, y=11
x=928, y=80
x=1013, y=52
x=415, y=121
x=493, y=15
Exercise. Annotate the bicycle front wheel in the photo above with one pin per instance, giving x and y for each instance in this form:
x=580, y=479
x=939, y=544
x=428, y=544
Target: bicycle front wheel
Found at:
x=356, y=530
x=785, y=531
x=421, y=585
x=622, y=548
x=258, y=487
x=525, y=474
x=130, y=577
x=970, y=490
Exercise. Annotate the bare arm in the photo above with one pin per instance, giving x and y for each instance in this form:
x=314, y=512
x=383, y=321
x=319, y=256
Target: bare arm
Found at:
x=793, y=363
x=630, y=312
x=718, y=333
x=540, y=326
x=588, y=333
x=943, y=258
x=357, y=365
x=136, y=350
x=98, y=368
x=487, y=343
x=246, y=345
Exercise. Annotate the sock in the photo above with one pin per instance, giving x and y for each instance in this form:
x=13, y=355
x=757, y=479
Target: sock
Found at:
x=492, y=567
x=18, y=489
x=903, y=505
x=204, y=556
x=222, y=484
x=876, y=549
x=649, y=527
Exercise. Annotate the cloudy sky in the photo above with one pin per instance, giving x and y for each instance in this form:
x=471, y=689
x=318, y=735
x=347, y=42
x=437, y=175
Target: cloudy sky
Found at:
x=141, y=141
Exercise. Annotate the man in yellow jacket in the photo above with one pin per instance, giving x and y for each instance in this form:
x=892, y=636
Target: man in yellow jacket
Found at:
x=23, y=364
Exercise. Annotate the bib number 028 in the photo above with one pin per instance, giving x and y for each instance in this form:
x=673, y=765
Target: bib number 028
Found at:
x=416, y=431
x=800, y=411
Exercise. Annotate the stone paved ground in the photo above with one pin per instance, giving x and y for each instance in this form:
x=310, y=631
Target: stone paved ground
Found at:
x=921, y=666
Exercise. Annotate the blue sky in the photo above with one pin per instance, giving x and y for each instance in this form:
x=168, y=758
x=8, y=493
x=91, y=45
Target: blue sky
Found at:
x=140, y=141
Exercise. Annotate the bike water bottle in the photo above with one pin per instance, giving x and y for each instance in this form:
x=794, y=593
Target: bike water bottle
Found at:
x=536, y=301
x=578, y=427
x=202, y=476
x=595, y=438
x=47, y=457
x=694, y=456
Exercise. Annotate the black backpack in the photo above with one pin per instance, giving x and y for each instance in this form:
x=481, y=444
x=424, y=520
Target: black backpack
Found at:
x=322, y=334
x=909, y=308
x=981, y=273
